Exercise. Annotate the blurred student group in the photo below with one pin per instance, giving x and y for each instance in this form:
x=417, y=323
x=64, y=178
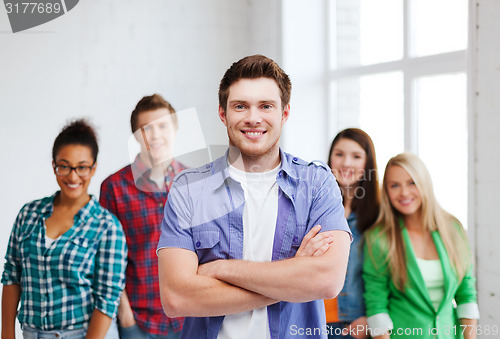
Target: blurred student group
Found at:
x=256, y=244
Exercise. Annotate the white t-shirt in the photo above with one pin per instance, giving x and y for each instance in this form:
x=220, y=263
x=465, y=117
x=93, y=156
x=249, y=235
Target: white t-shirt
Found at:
x=48, y=240
x=259, y=224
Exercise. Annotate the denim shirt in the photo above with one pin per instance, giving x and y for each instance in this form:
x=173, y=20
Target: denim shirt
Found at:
x=204, y=214
x=350, y=301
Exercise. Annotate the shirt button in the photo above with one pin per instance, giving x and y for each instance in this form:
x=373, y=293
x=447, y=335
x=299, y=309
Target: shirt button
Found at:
x=295, y=239
x=293, y=196
x=160, y=205
x=198, y=244
x=207, y=167
x=295, y=159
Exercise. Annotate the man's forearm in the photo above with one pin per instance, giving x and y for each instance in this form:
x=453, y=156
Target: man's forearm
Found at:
x=293, y=280
x=298, y=279
x=211, y=297
x=187, y=293
x=193, y=291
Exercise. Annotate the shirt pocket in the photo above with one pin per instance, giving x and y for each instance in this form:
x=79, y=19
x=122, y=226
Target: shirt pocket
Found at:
x=296, y=239
x=28, y=246
x=29, y=256
x=78, y=261
x=207, y=244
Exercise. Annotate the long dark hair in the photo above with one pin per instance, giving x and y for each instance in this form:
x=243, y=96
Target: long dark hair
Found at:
x=367, y=206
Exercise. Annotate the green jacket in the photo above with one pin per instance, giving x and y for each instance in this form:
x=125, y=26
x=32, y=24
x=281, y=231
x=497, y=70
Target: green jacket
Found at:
x=411, y=311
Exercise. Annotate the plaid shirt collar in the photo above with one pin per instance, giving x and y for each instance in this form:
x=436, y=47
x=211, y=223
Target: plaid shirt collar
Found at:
x=141, y=173
x=87, y=210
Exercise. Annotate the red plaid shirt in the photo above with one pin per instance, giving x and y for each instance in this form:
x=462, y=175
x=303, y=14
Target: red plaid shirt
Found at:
x=138, y=203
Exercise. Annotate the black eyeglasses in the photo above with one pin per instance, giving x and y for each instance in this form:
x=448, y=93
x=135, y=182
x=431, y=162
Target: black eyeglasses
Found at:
x=81, y=171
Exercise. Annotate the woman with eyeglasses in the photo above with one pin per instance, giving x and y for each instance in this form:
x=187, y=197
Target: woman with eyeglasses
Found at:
x=66, y=256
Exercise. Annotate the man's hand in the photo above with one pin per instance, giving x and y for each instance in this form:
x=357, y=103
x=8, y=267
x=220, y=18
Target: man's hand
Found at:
x=314, y=244
x=210, y=269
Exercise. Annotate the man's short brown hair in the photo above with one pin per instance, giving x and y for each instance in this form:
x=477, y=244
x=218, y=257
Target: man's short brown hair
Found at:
x=253, y=67
x=151, y=103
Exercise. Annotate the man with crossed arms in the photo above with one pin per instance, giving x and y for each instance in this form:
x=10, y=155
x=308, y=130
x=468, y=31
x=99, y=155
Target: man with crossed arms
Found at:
x=243, y=233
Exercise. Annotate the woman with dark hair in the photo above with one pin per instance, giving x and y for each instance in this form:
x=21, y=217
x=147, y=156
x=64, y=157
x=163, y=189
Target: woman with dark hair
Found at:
x=66, y=256
x=352, y=160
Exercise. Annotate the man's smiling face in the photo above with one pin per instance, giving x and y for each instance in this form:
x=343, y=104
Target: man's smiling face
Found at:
x=254, y=116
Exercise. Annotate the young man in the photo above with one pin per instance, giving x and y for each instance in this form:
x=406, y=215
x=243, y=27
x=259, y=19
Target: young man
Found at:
x=136, y=194
x=233, y=229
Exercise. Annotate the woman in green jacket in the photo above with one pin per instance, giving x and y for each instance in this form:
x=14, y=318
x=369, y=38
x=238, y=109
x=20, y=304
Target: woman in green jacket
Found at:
x=417, y=263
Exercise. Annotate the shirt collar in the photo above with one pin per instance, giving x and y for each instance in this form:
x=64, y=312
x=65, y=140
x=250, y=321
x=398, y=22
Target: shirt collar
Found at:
x=84, y=212
x=141, y=172
x=286, y=160
x=220, y=171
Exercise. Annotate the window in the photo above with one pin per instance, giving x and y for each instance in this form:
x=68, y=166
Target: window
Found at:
x=397, y=69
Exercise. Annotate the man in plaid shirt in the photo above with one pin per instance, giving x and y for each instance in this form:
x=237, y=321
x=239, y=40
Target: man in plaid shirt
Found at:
x=136, y=194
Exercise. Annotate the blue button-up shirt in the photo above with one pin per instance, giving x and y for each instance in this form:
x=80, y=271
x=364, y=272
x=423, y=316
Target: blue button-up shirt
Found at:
x=204, y=214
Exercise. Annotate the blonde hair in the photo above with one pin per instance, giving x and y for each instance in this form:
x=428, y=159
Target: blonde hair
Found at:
x=434, y=218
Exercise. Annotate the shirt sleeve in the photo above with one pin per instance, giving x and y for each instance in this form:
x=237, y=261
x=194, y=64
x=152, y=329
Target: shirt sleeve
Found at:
x=376, y=276
x=466, y=297
x=466, y=294
x=110, y=263
x=12, y=269
x=327, y=209
x=176, y=224
x=107, y=196
x=379, y=323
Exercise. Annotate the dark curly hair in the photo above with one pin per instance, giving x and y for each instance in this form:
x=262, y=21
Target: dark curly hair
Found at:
x=77, y=132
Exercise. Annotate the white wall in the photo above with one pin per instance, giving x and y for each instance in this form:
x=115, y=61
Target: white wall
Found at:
x=102, y=57
x=97, y=61
x=303, y=36
x=486, y=157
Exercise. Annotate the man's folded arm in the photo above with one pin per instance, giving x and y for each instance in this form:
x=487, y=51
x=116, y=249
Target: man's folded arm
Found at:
x=186, y=293
x=298, y=279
